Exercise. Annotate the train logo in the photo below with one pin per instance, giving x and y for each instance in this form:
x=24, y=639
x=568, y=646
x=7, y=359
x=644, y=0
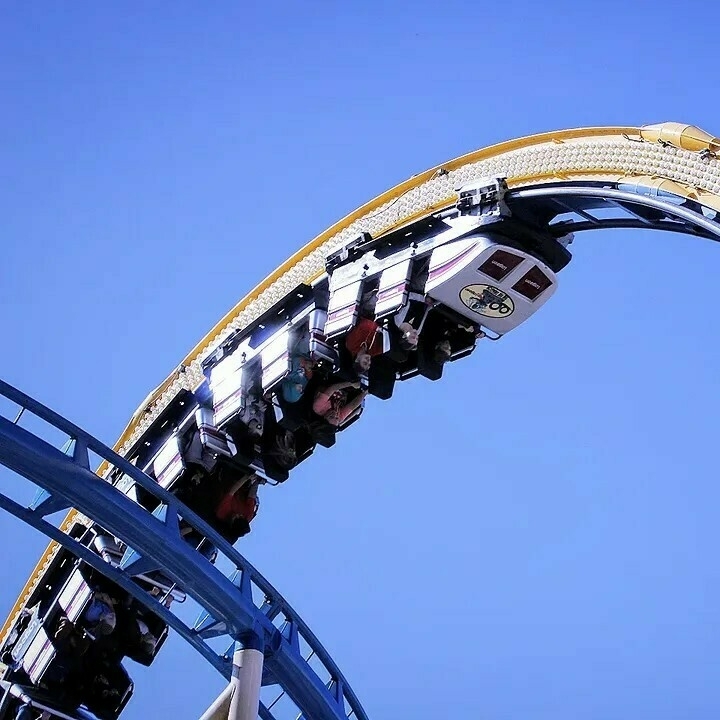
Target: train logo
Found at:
x=487, y=300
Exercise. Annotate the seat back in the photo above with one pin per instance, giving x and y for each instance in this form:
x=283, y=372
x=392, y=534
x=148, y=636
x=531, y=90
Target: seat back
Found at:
x=39, y=655
x=343, y=307
x=275, y=359
x=168, y=464
x=393, y=288
x=75, y=596
x=226, y=385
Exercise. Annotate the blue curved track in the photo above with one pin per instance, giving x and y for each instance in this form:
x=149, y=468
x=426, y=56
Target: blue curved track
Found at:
x=228, y=601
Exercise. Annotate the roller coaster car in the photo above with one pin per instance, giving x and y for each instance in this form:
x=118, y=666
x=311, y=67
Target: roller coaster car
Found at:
x=202, y=466
x=441, y=277
x=75, y=630
x=494, y=285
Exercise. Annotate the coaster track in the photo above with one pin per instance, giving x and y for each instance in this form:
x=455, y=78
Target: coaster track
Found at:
x=664, y=177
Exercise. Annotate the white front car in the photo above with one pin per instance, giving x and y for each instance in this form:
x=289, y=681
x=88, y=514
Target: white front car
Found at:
x=491, y=284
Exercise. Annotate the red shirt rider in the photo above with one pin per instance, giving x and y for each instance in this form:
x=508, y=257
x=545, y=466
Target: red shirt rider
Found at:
x=365, y=335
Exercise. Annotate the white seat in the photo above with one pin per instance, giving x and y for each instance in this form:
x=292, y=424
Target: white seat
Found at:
x=343, y=307
x=275, y=359
x=168, y=464
x=226, y=384
x=393, y=289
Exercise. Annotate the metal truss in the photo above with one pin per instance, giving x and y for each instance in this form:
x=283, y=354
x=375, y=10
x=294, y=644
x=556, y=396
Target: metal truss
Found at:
x=242, y=606
x=572, y=207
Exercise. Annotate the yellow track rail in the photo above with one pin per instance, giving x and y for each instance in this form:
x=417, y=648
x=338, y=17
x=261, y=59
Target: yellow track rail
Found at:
x=679, y=158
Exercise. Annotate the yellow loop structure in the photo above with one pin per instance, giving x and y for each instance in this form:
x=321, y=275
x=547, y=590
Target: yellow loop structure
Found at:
x=670, y=156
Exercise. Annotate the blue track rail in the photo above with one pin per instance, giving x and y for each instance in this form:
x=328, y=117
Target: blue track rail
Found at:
x=156, y=543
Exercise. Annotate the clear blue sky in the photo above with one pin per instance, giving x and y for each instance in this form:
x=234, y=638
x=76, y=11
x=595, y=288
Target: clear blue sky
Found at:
x=158, y=159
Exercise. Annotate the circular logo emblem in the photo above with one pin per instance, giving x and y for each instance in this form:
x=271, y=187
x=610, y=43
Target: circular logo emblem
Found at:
x=487, y=300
